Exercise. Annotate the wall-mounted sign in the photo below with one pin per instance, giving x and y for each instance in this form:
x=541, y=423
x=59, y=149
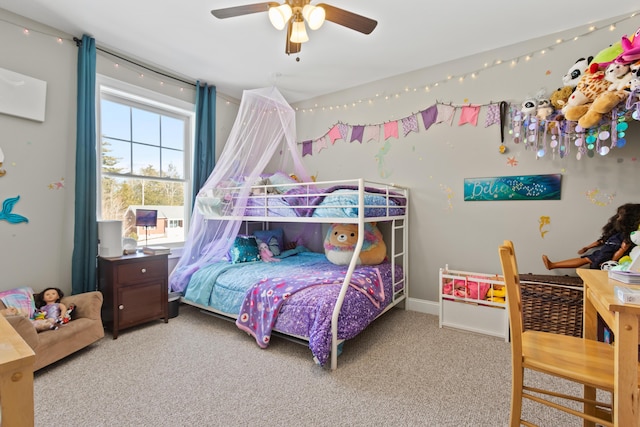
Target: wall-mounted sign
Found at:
x=22, y=96
x=525, y=187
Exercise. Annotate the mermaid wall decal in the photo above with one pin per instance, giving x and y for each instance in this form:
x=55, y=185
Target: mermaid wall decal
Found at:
x=7, y=207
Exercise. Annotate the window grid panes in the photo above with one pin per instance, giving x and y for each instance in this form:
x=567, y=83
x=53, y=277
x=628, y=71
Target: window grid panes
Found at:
x=143, y=157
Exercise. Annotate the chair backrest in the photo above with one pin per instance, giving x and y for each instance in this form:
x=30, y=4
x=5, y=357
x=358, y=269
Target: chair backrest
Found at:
x=514, y=298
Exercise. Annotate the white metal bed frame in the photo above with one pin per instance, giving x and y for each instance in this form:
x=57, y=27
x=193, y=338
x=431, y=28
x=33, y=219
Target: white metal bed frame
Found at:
x=397, y=248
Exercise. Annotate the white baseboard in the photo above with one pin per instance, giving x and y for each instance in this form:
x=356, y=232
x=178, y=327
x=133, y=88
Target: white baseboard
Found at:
x=423, y=306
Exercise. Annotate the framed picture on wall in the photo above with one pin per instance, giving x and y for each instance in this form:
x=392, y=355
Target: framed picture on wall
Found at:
x=22, y=96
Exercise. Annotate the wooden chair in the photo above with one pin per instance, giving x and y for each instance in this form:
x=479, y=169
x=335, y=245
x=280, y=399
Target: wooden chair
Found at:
x=587, y=362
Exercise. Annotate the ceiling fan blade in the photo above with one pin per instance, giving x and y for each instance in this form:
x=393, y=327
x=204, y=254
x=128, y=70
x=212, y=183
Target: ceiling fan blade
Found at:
x=247, y=9
x=291, y=47
x=349, y=19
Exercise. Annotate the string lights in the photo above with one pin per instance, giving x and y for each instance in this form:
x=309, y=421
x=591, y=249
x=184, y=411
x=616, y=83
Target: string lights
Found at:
x=163, y=79
x=474, y=74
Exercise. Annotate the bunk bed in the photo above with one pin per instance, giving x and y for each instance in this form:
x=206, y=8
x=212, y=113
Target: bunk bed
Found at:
x=309, y=298
x=303, y=296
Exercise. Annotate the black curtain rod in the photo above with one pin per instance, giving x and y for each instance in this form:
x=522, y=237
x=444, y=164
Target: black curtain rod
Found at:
x=79, y=43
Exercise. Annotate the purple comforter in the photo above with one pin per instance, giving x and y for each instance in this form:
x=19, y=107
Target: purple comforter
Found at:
x=307, y=312
x=263, y=301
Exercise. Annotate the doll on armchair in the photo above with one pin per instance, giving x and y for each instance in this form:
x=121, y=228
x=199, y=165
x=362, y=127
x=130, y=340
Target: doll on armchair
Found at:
x=50, y=312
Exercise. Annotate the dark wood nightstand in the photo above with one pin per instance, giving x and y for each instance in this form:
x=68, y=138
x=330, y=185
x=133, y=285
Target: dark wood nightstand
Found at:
x=135, y=289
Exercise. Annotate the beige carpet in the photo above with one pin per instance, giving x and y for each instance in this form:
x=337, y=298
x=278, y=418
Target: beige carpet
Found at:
x=201, y=370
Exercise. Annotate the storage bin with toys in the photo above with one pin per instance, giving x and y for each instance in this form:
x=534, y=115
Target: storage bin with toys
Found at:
x=474, y=302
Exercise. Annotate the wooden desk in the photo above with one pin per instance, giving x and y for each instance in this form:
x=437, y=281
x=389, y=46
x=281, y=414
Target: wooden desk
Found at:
x=623, y=319
x=16, y=378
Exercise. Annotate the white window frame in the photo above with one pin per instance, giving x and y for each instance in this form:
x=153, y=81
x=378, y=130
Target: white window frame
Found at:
x=157, y=100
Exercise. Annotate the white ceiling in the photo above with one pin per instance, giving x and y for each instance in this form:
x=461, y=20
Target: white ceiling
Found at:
x=246, y=52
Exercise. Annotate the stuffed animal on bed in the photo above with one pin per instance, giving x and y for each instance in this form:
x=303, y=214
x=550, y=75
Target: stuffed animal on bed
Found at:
x=341, y=239
x=265, y=253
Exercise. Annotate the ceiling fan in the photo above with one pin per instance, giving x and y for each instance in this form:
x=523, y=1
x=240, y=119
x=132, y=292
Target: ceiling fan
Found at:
x=295, y=13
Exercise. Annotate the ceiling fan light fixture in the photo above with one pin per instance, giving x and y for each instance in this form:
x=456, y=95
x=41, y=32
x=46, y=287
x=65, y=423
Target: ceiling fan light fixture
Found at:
x=299, y=32
x=280, y=15
x=314, y=15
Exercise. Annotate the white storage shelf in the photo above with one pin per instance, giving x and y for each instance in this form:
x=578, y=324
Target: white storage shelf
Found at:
x=467, y=302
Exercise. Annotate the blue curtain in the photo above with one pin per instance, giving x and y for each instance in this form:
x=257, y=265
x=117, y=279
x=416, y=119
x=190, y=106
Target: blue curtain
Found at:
x=205, y=141
x=85, y=239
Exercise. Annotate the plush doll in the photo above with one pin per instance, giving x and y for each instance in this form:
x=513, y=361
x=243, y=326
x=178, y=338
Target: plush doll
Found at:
x=530, y=104
x=258, y=187
x=576, y=71
x=69, y=315
x=591, y=85
x=607, y=55
x=618, y=77
x=634, y=83
x=630, y=49
x=544, y=109
x=265, y=253
x=560, y=97
x=341, y=239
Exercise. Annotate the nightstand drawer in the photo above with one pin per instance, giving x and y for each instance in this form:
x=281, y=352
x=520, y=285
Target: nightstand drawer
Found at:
x=134, y=272
x=135, y=290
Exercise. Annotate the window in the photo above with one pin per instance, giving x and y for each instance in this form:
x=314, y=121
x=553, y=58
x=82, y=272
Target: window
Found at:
x=144, y=161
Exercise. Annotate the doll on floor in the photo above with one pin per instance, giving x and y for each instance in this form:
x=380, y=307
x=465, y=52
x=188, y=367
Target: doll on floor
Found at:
x=49, y=310
x=612, y=245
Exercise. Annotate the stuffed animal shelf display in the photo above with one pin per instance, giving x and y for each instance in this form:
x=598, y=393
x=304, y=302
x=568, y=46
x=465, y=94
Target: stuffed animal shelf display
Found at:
x=605, y=101
x=341, y=239
x=560, y=96
x=603, y=85
x=591, y=85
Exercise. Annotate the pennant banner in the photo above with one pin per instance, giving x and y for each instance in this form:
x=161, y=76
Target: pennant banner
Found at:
x=435, y=114
x=469, y=114
x=409, y=124
x=357, y=133
x=391, y=130
x=307, y=148
x=372, y=133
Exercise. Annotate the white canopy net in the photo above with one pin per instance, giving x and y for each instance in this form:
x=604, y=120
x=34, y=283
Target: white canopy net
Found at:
x=265, y=126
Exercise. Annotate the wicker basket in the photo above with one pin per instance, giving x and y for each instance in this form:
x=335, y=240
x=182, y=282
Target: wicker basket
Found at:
x=552, y=303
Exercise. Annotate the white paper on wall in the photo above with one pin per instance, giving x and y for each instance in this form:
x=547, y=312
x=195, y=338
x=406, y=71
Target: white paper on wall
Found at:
x=22, y=96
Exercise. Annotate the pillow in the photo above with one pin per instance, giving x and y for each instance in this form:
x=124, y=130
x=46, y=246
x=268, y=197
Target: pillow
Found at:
x=273, y=238
x=21, y=299
x=244, y=249
x=279, y=179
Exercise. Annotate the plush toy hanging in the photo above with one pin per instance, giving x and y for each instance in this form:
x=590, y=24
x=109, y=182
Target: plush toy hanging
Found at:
x=341, y=239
